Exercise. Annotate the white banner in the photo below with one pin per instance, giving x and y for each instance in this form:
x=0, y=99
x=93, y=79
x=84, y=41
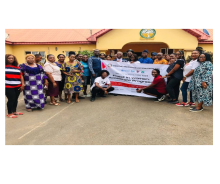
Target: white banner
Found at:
x=126, y=77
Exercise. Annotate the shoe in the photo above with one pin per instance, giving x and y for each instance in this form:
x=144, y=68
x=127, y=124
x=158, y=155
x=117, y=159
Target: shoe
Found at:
x=102, y=96
x=162, y=98
x=173, y=102
x=183, y=104
x=192, y=104
x=157, y=100
x=80, y=97
x=196, y=110
x=88, y=95
x=92, y=99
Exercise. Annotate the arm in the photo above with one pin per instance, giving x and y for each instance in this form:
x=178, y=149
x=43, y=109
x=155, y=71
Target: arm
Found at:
x=46, y=82
x=50, y=77
x=90, y=66
x=206, y=76
x=150, y=86
x=188, y=74
x=22, y=83
x=97, y=85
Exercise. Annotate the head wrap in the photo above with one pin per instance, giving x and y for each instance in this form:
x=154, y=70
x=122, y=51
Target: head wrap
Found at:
x=153, y=53
x=146, y=51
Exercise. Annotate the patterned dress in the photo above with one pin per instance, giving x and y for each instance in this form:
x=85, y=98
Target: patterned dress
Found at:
x=33, y=90
x=202, y=73
x=73, y=83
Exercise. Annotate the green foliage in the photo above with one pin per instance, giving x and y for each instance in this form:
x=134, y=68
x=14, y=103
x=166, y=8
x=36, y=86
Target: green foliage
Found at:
x=86, y=52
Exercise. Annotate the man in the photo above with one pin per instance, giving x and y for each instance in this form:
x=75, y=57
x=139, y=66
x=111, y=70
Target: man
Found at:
x=94, y=63
x=153, y=55
x=160, y=59
x=38, y=59
x=80, y=56
x=145, y=59
x=129, y=54
x=119, y=57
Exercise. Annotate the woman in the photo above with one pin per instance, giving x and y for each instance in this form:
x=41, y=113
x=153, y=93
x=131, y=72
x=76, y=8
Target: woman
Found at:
x=157, y=88
x=61, y=59
x=73, y=71
x=201, y=83
x=167, y=58
x=14, y=84
x=187, y=73
x=102, y=56
x=86, y=75
x=54, y=75
x=34, y=78
x=175, y=72
x=101, y=85
x=134, y=59
x=109, y=57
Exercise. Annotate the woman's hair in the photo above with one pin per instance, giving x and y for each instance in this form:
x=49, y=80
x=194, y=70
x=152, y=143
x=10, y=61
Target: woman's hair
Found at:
x=135, y=56
x=15, y=63
x=29, y=55
x=102, y=71
x=49, y=55
x=37, y=55
x=182, y=54
x=207, y=56
x=158, y=71
x=60, y=55
x=102, y=54
x=109, y=56
x=72, y=53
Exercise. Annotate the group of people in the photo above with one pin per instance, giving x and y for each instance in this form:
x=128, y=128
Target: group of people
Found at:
x=38, y=80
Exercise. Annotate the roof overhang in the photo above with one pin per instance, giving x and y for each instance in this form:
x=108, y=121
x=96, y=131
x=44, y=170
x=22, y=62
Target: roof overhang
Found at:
x=48, y=43
x=198, y=34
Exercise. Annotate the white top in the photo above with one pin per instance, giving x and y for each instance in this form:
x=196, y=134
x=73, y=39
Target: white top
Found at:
x=136, y=62
x=192, y=65
x=102, y=82
x=119, y=60
x=54, y=70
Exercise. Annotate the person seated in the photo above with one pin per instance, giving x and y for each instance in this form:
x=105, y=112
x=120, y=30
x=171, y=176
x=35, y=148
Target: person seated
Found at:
x=134, y=59
x=101, y=85
x=157, y=88
x=145, y=59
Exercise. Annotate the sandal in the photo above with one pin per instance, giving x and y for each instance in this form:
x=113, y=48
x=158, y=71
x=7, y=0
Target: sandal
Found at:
x=69, y=102
x=29, y=110
x=11, y=116
x=18, y=113
x=54, y=103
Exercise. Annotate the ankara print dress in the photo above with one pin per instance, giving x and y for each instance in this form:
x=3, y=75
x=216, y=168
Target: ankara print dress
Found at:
x=73, y=84
x=203, y=73
x=33, y=90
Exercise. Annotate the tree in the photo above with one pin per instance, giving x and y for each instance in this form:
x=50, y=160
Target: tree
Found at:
x=86, y=52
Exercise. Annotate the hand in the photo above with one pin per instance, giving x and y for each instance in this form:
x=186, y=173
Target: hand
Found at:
x=104, y=89
x=46, y=84
x=184, y=78
x=106, y=92
x=21, y=88
x=139, y=90
x=54, y=85
x=93, y=75
x=204, y=85
x=163, y=77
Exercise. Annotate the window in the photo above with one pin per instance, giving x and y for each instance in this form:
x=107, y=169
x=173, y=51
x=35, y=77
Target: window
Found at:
x=113, y=52
x=42, y=53
x=170, y=51
x=163, y=50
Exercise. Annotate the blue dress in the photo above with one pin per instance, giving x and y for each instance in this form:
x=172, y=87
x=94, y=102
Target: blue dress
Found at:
x=202, y=73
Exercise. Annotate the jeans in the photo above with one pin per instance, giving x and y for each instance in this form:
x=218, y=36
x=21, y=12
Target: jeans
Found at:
x=12, y=94
x=93, y=78
x=96, y=90
x=173, y=88
x=184, y=92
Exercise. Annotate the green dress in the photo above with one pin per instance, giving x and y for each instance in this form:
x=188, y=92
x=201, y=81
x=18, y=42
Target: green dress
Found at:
x=73, y=84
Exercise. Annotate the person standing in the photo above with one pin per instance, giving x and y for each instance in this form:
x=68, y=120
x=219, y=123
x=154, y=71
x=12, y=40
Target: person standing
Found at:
x=73, y=70
x=153, y=55
x=201, y=83
x=14, y=84
x=134, y=59
x=35, y=79
x=145, y=59
x=86, y=75
x=175, y=72
x=188, y=71
x=38, y=59
x=160, y=59
x=109, y=57
x=119, y=57
x=129, y=54
x=94, y=63
x=61, y=59
x=54, y=75
x=102, y=56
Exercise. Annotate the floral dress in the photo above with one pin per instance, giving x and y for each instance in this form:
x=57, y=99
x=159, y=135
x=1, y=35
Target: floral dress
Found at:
x=72, y=83
x=202, y=73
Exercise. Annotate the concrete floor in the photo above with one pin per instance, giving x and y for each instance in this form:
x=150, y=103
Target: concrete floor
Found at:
x=114, y=120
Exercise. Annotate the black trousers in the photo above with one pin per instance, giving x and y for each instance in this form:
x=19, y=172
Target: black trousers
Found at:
x=173, y=88
x=96, y=90
x=153, y=91
x=12, y=94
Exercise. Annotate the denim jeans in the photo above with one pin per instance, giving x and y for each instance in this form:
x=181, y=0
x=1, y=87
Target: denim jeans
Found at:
x=184, y=92
x=93, y=78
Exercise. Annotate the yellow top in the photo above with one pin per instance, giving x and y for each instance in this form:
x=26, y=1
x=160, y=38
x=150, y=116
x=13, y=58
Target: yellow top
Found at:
x=162, y=61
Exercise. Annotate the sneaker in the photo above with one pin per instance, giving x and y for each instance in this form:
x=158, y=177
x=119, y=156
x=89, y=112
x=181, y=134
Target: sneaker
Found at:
x=173, y=102
x=88, y=95
x=196, y=110
x=192, y=104
x=183, y=104
x=92, y=99
x=157, y=100
x=162, y=98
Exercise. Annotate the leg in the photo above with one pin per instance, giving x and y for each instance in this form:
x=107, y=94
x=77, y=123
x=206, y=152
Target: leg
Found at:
x=84, y=90
x=199, y=106
x=170, y=88
x=177, y=89
x=17, y=93
x=52, y=99
x=77, y=97
x=69, y=98
x=184, y=91
x=95, y=90
x=190, y=94
x=110, y=89
x=10, y=94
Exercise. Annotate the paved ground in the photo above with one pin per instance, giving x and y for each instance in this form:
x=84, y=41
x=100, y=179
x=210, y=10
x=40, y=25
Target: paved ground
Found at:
x=114, y=120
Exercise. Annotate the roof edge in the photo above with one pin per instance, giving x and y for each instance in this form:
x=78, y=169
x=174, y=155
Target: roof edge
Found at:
x=49, y=43
x=98, y=34
x=198, y=34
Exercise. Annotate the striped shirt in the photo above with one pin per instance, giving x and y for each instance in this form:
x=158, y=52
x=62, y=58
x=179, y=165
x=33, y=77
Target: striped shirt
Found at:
x=12, y=76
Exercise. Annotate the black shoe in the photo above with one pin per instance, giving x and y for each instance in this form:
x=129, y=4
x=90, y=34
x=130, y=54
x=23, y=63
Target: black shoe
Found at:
x=80, y=97
x=102, y=96
x=92, y=99
x=196, y=110
x=173, y=102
